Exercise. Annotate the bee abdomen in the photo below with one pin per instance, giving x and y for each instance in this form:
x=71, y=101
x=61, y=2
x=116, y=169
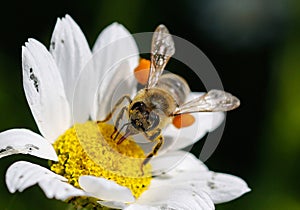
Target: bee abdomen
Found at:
x=175, y=85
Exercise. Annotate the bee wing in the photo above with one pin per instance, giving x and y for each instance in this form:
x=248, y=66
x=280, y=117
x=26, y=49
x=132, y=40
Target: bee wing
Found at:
x=212, y=101
x=162, y=49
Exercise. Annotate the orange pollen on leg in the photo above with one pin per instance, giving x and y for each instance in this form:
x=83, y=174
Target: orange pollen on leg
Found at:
x=141, y=72
x=183, y=120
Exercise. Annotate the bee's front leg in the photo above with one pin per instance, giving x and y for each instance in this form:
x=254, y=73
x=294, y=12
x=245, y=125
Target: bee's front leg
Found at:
x=119, y=102
x=119, y=118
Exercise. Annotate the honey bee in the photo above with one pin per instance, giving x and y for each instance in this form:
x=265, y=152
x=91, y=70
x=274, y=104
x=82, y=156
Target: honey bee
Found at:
x=163, y=98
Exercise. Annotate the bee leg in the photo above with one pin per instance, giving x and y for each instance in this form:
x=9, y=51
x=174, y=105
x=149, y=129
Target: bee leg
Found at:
x=119, y=102
x=116, y=126
x=160, y=141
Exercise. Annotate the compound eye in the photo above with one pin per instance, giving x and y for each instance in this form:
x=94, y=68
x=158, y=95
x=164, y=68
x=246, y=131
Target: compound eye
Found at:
x=138, y=106
x=153, y=119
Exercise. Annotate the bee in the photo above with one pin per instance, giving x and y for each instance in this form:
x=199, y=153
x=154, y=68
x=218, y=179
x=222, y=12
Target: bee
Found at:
x=162, y=100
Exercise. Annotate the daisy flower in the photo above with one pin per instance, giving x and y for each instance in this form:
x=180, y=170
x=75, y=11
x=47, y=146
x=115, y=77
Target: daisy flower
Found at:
x=87, y=167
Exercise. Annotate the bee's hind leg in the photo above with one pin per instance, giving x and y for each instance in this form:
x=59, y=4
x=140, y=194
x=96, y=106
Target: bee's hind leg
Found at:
x=160, y=140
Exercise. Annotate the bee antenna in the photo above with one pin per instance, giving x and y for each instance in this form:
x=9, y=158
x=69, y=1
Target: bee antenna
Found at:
x=127, y=133
x=118, y=132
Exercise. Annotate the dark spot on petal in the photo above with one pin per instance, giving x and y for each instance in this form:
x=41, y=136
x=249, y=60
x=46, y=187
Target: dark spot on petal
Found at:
x=211, y=185
x=21, y=177
x=166, y=207
x=6, y=149
x=62, y=41
x=53, y=45
x=34, y=79
x=31, y=147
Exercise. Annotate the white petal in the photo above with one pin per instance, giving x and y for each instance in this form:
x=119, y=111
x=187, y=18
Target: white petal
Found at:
x=115, y=56
x=178, y=161
x=105, y=189
x=54, y=188
x=175, y=197
x=44, y=90
x=24, y=141
x=141, y=207
x=71, y=53
x=22, y=175
x=113, y=204
x=205, y=122
x=118, y=36
x=174, y=188
x=220, y=187
x=225, y=187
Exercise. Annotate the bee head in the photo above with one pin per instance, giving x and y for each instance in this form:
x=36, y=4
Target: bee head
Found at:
x=142, y=117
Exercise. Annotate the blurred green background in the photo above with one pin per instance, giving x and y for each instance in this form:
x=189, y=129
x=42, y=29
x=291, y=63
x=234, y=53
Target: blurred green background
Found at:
x=254, y=45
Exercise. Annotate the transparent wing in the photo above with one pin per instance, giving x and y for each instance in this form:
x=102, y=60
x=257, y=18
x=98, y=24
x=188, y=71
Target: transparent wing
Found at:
x=162, y=49
x=212, y=101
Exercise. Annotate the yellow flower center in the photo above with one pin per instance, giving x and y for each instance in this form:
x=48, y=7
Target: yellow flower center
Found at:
x=88, y=149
